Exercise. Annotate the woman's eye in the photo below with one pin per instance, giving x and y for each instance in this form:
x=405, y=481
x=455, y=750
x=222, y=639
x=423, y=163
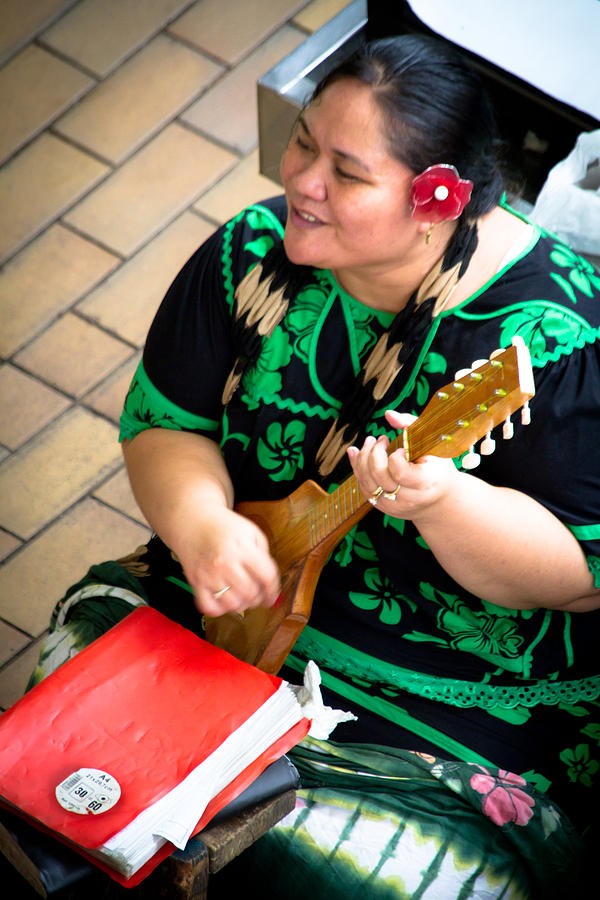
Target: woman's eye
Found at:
x=301, y=143
x=346, y=175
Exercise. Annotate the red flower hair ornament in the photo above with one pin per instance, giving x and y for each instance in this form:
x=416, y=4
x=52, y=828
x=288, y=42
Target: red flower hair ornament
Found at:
x=439, y=194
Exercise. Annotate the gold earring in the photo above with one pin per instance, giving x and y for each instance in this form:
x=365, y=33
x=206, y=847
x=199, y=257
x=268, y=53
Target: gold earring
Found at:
x=428, y=234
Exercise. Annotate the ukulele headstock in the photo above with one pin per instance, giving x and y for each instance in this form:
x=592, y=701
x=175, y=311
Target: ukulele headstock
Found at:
x=468, y=408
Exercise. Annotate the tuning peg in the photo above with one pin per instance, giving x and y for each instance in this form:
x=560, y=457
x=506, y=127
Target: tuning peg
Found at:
x=526, y=414
x=478, y=363
x=461, y=373
x=496, y=362
x=470, y=460
x=508, y=429
x=488, y=445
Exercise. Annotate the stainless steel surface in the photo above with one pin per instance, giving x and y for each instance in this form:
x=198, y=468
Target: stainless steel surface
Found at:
x=284, y=89
x=522, y=110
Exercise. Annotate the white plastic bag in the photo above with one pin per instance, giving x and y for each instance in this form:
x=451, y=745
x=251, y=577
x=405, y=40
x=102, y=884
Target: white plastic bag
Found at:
x=568, y=204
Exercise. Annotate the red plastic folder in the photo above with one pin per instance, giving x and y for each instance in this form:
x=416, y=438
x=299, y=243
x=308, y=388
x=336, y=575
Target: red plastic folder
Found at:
x=144, y=705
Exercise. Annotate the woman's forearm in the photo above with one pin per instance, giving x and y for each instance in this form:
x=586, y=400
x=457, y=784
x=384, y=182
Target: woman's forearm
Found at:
x=498, y=543
x=507, y=548
x=171, y=474
x=183, y=488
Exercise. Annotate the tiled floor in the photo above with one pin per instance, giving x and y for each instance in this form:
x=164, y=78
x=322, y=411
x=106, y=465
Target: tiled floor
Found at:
x=129, y=132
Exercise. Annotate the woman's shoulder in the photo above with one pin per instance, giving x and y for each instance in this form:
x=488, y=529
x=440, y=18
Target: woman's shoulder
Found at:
x=515, y=254
x=247, y=237
x=518, y=264
x=548, y=281
x=542, y=260
x=265, y=217
x=543, y=292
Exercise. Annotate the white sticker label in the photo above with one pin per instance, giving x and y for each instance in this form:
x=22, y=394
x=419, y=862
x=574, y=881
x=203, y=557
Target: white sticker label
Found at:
x=88, y=791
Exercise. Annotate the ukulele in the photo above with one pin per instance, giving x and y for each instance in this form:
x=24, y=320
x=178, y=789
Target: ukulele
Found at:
x=306, y=526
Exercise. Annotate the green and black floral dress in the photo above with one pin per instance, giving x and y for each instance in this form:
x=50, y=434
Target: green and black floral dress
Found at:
x=425, y=665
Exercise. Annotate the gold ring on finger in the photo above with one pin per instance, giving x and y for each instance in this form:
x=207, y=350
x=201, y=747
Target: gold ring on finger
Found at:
x=391, y=495
x=375, y=496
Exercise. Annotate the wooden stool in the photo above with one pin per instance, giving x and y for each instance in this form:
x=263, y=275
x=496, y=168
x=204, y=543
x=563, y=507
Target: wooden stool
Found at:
x=185, y=874
x=182, y=876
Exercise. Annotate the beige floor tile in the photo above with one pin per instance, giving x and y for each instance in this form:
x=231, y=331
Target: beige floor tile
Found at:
x=35, y=88
x=14, y=678
x=138, y=99
x=73, y=355
x=108, y=398
x=317, y=13
x=11, y=642
x=38, y=184
x=150, y=189
x=63, y=487
x=44, y=280
x=22, y=21
x=116, y=492
x=26, y=406
x=55, y=469
x=100, y=34
x=240, y=187
x=232, y=36
x=236, y=93
x=35, y=578
x=8, y=544
x=126, y=302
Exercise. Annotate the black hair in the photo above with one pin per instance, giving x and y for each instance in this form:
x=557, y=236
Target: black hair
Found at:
x=435, y=110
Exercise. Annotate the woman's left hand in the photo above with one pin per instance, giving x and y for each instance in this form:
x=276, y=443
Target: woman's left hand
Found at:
x=408, y=489
x=494, y=541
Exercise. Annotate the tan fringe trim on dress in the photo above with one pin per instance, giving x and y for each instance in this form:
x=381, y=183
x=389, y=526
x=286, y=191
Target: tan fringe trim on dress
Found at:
x=332, y=449
x=382, y=363
x=440, y=285
x=262, y=307
x=133, y=562
x=233, y=379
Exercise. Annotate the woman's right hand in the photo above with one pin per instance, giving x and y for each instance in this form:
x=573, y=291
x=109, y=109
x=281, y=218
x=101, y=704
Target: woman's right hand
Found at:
x=227, y=562
x=183, y=488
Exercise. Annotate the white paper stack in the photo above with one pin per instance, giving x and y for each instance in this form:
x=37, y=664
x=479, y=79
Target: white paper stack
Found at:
x=174, y=816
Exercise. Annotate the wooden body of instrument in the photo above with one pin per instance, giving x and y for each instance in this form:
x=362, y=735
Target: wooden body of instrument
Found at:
x=306, y=526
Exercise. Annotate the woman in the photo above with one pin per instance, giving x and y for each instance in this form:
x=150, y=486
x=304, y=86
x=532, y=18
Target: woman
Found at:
x=458, y=620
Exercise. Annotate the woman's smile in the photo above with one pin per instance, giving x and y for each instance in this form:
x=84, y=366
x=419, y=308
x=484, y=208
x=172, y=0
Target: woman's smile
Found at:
x=304, y=219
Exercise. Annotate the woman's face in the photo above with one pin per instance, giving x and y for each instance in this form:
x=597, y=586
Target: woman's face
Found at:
x=348, y=199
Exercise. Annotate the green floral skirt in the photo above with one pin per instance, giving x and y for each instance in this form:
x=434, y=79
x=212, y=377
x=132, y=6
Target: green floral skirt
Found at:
x=383, y=823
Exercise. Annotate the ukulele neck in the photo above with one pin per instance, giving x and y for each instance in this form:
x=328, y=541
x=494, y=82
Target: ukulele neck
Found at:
x=338, y=512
